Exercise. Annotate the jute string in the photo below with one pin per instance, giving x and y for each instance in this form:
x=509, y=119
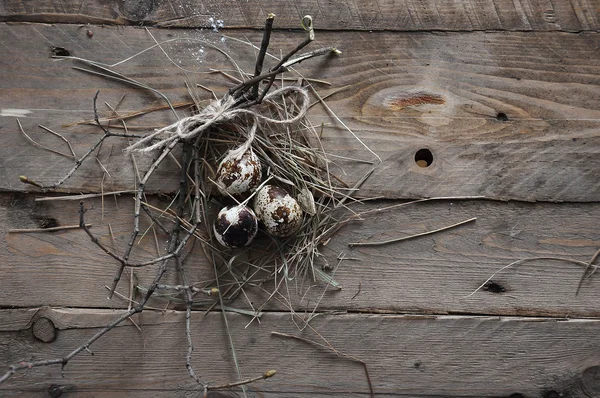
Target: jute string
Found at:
x=219, y=111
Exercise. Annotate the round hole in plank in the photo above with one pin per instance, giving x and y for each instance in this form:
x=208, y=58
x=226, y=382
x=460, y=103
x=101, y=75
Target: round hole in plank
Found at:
x=423, y=157
x=502, y=117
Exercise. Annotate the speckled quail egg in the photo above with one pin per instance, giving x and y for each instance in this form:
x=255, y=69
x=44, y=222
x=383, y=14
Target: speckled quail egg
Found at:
x=278, y=210
x=238, y=177
x=235, y=226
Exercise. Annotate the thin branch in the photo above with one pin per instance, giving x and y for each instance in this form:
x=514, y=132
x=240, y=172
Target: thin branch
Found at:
x=61, y=137
x=81, y=197
x=524, y=260
x=264, y=45
x=587, y=267
x=266, y=375
x=37, y=144
x=79, y=162
x=51, y=229
x=385, y=242
x=328, y=347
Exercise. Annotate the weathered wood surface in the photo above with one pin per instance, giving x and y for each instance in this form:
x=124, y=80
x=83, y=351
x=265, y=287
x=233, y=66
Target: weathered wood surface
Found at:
x=448, y=93
x=431, y=275
x=506, y=116
x=405, y=15
x=409, y=356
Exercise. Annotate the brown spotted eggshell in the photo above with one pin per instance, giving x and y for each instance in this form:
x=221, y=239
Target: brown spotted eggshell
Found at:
x=235, y=226
x=238, y=177
x=278, y=211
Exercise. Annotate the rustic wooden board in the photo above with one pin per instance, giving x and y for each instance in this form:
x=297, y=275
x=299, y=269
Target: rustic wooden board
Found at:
x=433, y=274
x=405, y=15
x=416, y=356
x=447, y=93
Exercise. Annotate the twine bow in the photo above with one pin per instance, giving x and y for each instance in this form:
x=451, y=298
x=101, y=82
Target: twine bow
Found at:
x=219, y=111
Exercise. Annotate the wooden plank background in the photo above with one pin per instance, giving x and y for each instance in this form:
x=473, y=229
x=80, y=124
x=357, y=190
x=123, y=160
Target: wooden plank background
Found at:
x=442, y=92
x=403, y=15
x=504, y=95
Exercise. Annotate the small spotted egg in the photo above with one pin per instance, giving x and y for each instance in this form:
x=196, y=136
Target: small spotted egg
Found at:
x=278, y=210
x=235, y=226
x=238, y=177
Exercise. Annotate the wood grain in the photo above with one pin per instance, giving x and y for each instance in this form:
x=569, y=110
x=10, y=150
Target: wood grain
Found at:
x=432, y=274
x=416, y=356
x=405, y=15
x=505, y=115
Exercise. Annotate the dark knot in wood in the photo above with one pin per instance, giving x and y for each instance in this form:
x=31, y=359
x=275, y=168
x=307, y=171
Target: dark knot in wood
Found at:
x=590, y=381
x=44, y=330
x=54, y=390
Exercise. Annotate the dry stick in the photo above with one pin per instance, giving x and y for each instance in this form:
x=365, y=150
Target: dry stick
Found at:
x=263, y=50
x=155, y=220
x=308, y=27
x=61, y=137
x=64, y=360
x=271, y=75
x=330, y=348
x=124, y=263
x=211, y=257
x=122, y=78
x=132, y=301
x=183, y=288
x=587, y=267
x=188, y=325
x=281, y=67
x=336, y=117
x=185, y=159
x=79, y=162
x=175, y=247
x=37, y=144
x=323, y=98
x=136, y=216
x=266, y=375
x=81, y=197
x=51, y=229
x=326, y=235
x=226, y=321
x=131, y=115
x=385, y=242
x=523, y=260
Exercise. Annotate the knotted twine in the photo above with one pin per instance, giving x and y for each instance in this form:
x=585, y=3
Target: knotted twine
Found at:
x=219, y=111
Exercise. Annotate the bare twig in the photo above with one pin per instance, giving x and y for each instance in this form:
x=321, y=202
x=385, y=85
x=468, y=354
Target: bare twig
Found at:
x=587, y=267
x=51, y=229
x=61, y=137
x=385, y=242
x=263, y=50
x=82, y=196
x=37, y=144
x=524, y=260
x=266, y=375
x=328, y=347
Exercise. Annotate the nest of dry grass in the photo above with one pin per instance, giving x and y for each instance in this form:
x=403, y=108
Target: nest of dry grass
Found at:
x=261, y=114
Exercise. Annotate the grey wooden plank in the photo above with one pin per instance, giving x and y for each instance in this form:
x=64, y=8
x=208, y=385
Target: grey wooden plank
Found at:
x=448, y=93
x=431, y=274
x=418, y=356
x=405, y=15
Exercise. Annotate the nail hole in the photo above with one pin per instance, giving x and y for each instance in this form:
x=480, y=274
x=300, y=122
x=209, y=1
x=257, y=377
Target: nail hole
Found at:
x=423, y=157
x=60, y=52
x=493, y=287
x=501, y=116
